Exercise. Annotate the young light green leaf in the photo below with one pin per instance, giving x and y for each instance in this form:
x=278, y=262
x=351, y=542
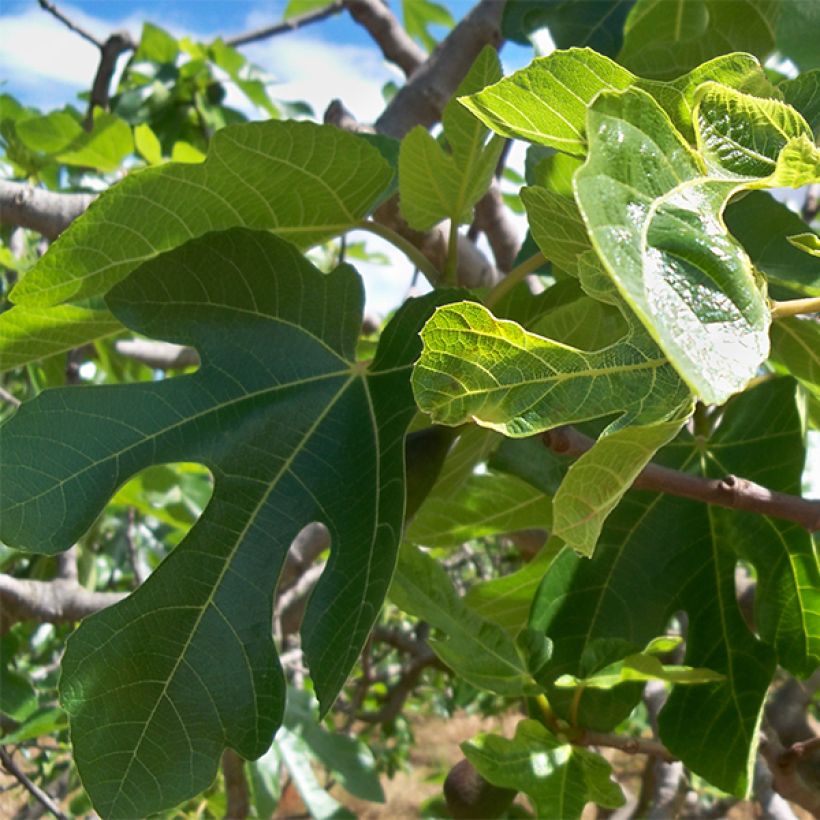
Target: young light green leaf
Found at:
x=486, y=504
x=546, y=102
x=297, y=759
x=743, y=136
x=807, y=242
x=108, y=143
x=478, y=650
x=147, y=144
x=559, y=778
x=596, y=482
x=663, y=39
x=642, y=666
x=656, y=225
x=631, y=583
x=435, y=184
x=266, y=426
x=305, y=182
x=31, y=333
x=476, y=367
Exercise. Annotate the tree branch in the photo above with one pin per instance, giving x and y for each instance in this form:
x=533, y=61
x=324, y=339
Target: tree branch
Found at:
x=388, y=33
x=58, y=601
x=110, y=51
x=626, y=743
x=423, y=98
x=44, y=211
x=32, y=788
x=55, y=12
x=731, y=492
x=285, y=26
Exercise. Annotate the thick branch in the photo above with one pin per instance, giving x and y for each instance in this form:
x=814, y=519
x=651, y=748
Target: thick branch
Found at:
x=423, y=98
x=730, y=491
x=110, y=51
x=56, y=601
x=44, y=211
x=291, y=24
x=389, y=34
x=236, y=786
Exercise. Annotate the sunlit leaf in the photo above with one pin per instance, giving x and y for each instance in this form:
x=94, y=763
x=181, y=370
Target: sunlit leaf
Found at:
x=435, y=183
x=559, y=778
x=304, y=181
x=31, y=333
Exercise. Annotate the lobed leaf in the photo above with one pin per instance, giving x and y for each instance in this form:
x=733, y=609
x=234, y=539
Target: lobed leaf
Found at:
x=559, y=778
x=654, y=218
x=546, y=102
x=303, y=181
x=491, y=371
x=281, y=414
x=660, y=554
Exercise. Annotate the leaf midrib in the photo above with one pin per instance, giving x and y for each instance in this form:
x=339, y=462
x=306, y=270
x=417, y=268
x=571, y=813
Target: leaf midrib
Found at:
x=226, y=565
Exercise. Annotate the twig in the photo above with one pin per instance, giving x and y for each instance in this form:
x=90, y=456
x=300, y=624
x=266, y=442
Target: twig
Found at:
x=516, y=275
x=730, y=491
x=388, y=33
x=47, y=212
x=405, y=246
x=786, y=777
x=32, y=788
x=795, y=307
x=626, y=743
x=285, y=26
x=110, y=50
x=55, y=12
x=9, y=398
x=812, y=203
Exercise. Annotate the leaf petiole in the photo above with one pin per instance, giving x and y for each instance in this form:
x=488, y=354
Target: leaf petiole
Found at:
x=795, y=307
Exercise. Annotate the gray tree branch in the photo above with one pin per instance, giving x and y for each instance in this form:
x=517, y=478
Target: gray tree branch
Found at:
x=388, y=33
x=46, y=212
x=291, y=24
x=58, y=601
x=422, y=99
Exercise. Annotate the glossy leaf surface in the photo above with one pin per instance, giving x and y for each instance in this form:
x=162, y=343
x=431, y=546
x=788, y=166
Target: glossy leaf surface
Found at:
x=158, y=685
x=546, y=102
x=654, y=219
